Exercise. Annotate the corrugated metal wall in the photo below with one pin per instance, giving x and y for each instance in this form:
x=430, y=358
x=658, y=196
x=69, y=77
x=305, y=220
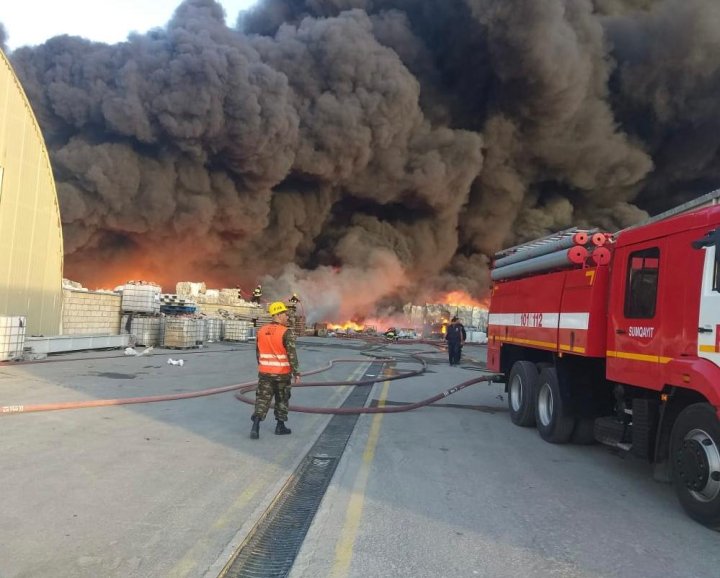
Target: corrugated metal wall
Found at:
x=31, y=249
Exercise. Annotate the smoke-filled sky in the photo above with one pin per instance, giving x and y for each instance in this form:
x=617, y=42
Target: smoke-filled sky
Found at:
x=368, y=153
x=32, y=22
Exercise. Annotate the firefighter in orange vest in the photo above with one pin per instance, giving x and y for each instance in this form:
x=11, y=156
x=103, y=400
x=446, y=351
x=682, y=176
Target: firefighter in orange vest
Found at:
x=277, y=368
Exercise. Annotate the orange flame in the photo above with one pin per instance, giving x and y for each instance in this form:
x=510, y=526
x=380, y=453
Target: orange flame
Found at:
x=345, y=326
x=461, y=298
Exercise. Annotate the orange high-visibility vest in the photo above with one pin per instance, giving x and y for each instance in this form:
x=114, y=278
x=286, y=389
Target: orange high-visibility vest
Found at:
x=271, y=351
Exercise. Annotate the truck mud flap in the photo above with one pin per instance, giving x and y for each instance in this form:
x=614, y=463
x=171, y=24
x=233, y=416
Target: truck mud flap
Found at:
x=645, y=419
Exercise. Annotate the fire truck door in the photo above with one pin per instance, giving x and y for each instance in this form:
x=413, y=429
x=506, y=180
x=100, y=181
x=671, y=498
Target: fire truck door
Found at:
x=709, y=322
x=634, y=331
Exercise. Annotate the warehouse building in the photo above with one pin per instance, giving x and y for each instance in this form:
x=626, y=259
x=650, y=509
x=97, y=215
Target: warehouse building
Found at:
x=31, y=245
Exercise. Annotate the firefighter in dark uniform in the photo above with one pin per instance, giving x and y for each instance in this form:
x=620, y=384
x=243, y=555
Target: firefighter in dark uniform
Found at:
x=391, y=334
x=292, y=303
x=455, y=337
x=256, y=295
x=277, y=368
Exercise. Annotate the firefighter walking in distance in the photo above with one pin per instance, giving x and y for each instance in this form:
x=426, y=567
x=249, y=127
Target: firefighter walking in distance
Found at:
x=277, y=368
x=256, y=295
x=455, y=337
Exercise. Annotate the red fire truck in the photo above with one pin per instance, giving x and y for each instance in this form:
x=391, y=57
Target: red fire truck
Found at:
x=616, y=338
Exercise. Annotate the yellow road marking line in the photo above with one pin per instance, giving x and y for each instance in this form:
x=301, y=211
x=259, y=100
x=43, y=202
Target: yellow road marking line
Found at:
x=346, y=543
x=189, y=562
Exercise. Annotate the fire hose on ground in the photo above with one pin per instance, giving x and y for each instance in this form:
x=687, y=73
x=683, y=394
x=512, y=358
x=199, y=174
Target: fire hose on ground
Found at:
x=246, y=387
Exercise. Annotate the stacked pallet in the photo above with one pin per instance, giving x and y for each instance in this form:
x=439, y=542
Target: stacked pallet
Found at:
x=256, y=315
x=262, y=319
x=297, y=324
x=176, y=304
x=183, y=332
x=12, y=337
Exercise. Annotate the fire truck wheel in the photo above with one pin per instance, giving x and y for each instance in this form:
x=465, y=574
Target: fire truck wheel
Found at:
x=521, y=393
x=553, y=423
x=695, y=455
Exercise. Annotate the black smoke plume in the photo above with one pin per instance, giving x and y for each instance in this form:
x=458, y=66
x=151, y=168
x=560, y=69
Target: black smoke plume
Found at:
x=366, y=153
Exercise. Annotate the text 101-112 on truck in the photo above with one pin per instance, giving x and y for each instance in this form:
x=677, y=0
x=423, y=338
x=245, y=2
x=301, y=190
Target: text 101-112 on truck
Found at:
x=616, y=338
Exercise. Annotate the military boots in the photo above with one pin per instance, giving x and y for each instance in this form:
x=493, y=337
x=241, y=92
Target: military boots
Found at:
x=281, y=430
x=255, y=431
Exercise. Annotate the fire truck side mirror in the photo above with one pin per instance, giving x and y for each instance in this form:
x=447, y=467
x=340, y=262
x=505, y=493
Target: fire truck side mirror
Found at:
x=711, y=238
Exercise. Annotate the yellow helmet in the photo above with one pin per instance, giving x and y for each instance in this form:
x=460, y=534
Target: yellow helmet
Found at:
x=277, y=308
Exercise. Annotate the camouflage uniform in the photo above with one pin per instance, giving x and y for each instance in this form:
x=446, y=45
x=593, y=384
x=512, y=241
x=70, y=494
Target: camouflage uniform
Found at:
x=277, y=385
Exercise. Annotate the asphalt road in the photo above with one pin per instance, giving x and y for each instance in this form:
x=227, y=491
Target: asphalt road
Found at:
x=172, y=488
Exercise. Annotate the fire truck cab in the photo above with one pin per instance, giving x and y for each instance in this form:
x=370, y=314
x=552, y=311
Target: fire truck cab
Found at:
x=623, y=347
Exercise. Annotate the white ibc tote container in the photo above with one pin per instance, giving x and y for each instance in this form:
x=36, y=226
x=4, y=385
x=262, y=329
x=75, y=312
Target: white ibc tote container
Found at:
x=141, y=298
x=213, y=329
x=237, y=330
x=182, y=332
x=12, y=337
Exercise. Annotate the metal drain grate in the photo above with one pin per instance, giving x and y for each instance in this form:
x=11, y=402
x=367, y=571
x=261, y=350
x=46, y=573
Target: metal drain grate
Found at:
x=271, y=548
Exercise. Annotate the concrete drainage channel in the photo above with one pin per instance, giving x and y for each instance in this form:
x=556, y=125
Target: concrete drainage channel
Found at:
x=270, y=549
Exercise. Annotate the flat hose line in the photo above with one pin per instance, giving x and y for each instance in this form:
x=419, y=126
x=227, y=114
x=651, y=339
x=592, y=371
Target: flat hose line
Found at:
x=377, y=343
x=251, y=385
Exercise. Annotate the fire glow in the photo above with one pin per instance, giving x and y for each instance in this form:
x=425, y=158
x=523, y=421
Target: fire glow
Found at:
x=345, y=326
x=462, y=299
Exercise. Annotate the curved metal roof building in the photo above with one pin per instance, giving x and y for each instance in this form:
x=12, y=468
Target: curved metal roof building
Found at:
x=31, y=245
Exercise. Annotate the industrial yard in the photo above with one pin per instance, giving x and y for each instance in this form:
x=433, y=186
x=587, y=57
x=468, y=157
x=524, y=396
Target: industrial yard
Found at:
x=469, y=251
x=174, y=488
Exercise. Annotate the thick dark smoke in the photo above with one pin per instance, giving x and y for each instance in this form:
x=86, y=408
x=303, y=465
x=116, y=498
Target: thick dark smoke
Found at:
x=3, y=37
x=367, y=153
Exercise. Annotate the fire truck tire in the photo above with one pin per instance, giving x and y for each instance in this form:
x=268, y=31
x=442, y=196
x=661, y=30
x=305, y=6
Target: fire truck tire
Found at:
x=695, y=457
x=521, y=393
x=553, y=422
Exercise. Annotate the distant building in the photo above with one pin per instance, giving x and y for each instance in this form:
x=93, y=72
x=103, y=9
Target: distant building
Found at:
x=31, y=245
